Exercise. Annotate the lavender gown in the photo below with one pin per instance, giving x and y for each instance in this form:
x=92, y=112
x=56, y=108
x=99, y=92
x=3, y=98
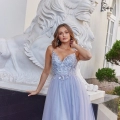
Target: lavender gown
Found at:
x=67, y=98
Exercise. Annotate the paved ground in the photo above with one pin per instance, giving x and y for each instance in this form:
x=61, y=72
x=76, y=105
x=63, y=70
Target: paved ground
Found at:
x=108, y=86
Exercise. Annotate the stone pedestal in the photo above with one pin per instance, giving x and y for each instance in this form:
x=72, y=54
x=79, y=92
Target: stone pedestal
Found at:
x=24, y=88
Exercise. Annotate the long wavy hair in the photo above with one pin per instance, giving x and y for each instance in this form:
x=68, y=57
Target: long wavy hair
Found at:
x=56, y=42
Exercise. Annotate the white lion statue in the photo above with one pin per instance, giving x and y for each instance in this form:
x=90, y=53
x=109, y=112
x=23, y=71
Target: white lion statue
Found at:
x=22, y=57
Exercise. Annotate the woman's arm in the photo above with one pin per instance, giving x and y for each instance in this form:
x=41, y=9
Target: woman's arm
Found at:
x=82, y=54
x=45, y=72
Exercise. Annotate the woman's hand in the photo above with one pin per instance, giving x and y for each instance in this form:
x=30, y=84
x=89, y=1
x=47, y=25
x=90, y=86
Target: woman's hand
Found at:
x=73, y=44
x=32, y=93
x=83, y=54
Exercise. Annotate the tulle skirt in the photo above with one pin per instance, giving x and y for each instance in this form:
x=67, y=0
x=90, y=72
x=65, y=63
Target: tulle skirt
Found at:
x=67, y=99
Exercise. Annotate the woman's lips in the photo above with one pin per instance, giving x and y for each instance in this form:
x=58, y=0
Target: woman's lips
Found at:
x=64, y=38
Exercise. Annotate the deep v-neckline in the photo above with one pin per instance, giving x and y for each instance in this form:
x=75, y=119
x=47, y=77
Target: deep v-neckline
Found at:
x=64, y=57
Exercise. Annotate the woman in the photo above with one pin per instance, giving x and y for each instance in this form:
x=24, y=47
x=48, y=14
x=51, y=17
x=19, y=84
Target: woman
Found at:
x=67, y=98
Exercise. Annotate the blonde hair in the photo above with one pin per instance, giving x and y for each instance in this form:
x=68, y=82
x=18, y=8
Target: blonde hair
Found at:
x=56, y=42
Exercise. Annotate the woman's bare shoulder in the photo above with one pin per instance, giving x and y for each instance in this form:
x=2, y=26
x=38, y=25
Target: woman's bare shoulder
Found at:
x=50, y=48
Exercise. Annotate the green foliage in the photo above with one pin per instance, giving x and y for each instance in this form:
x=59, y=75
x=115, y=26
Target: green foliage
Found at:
x=106, y=74
x=113, y=56
x=117, y=91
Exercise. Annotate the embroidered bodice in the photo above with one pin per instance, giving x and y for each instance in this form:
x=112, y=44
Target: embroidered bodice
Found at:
x=65, y=66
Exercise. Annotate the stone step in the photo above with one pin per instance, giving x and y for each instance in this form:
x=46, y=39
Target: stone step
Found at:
x=107, y=107
x=105, y=114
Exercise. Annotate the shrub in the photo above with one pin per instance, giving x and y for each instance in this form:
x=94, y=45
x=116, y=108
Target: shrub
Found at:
x=113, y=56
x=106, y=74
x=117, y=91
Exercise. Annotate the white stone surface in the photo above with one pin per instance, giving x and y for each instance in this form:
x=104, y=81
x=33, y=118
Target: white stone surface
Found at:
x=96, y=95
x=105, y=114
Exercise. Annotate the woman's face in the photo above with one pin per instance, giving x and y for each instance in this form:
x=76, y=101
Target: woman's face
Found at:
x=64, y=35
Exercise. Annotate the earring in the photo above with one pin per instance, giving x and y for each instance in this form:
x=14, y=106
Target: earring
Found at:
x=58, y=41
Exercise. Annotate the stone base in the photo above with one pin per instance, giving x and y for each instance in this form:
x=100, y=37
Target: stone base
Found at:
x=24, y=88
x=96, y=95
x=106, y=108
x=105, y=114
